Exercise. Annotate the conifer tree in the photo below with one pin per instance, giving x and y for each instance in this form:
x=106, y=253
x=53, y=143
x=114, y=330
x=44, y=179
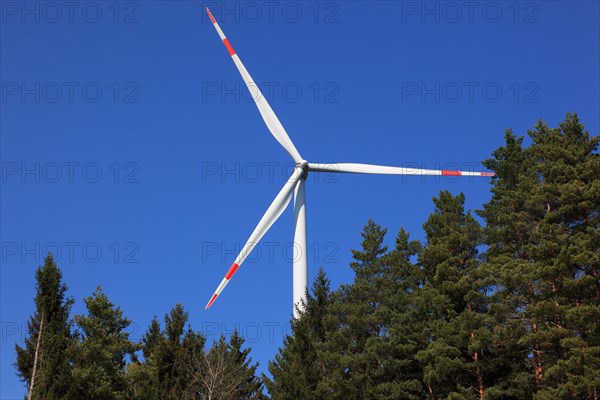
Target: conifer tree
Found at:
x=152, y=339
x=542, y=229
x=453, y=297
x=352, y=363
x=506, y=232
x=569, y=230
x=298, y=368
x=251, y=385
x=49, y=340
x=166, y=369
x=101, y=355
x=142, y=375
x=401, y=373
x=172, y=369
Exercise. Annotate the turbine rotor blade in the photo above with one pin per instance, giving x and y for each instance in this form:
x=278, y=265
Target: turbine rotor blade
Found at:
x=271, y=215
x=264, y=108
x=380, y=169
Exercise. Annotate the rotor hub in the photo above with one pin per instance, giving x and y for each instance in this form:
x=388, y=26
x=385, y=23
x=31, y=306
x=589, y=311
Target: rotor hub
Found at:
x=304, y=166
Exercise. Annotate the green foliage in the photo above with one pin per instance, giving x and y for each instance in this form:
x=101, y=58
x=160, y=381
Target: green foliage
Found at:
x=166, y=370
x=53, y=375
x=98, y=361
x=176, y=365
x=296, y=369
x=543, y=229
x=100, y=356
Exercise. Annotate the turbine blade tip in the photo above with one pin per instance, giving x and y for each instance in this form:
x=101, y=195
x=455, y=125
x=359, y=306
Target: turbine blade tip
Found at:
x=212, y=19
x=211, y=301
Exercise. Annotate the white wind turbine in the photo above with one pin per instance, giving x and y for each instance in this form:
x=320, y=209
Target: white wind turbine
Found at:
x=295, y=184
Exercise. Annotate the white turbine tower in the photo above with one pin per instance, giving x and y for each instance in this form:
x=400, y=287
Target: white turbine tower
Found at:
x=295, y=185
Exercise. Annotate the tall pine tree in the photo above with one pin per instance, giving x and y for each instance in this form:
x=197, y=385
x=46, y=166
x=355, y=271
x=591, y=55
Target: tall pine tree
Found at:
x=543, y=231
x=454, y=298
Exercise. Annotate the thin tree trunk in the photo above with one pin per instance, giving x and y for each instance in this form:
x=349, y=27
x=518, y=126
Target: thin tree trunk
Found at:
x=537, y=355
x=481, y=387
x=479, y=377
x=35, y=358
x=430, y=390
x=475, y=356
x=595, y=275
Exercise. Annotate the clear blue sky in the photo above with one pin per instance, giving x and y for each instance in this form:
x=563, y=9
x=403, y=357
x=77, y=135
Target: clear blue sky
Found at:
x=127, y=143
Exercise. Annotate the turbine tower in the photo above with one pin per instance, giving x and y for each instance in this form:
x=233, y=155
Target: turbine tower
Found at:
x=296, y=185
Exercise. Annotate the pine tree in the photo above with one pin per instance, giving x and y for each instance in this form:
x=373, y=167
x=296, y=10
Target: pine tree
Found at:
x=542, y=229
x=456, y=298
x=101, y=356
x=507, y=230
x=50, y=338
x=569, y=230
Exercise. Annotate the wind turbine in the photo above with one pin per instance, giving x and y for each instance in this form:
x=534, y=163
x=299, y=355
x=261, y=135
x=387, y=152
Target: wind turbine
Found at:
x=295, y=184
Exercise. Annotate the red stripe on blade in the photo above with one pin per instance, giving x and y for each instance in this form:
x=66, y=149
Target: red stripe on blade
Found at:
x=231, y=271
x=211, y=16
x=229, y=48
x=212, y=300
x=488, y=174
x=445, y=172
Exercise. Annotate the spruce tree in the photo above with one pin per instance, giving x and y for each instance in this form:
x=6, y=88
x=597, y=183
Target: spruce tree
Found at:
x=251, y=385
x=167, y=370
x=152, y=339
x=352, y=362
x=401, y=373
x=167, y=364
x=169, y=356
x=49, y=340
x=101, y=355
x=298, y=368
x=142, y=375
